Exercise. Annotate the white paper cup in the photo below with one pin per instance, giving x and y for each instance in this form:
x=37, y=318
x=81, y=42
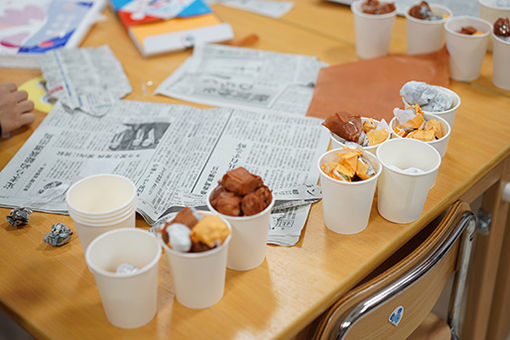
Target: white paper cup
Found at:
x=501, y=63
x=448, y=115
x=425, y=36
x=490, y=12
x=247, y=249
x=373, y=32
x=129, y=300
x=199, y=278
x=338, y=142
x=346, y=205
x=401, y=196
x=101, y=203
x=440, y=144
x=466, y=51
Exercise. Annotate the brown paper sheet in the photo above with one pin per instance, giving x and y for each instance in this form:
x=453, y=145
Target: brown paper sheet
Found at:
x=371, y=88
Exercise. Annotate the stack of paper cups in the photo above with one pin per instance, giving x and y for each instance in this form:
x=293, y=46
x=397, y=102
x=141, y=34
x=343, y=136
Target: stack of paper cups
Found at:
x=130, y=299
x=199, y=278
x=373, y=32
x=101, y=203
x=249, y=237
x=402, y=192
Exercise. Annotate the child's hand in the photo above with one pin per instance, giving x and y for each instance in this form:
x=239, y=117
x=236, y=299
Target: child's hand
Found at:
x=15, y=108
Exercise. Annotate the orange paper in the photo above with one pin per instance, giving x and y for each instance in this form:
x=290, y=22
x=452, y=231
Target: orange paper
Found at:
x=371, y=88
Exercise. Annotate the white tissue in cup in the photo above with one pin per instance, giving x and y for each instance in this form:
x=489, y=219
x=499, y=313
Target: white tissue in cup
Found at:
x=338, y=142
x=440, y=144
x=247, y=248
x=101, y=203
x=373, y=32
x=347, y=205
x=423, y=88
x=199, y=278
x=129, y=300
x=466, y=51
x=409, y=170
x=425, y=36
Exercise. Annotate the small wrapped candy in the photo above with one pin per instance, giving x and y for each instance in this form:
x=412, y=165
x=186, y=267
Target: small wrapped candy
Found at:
x=19, y=217
x=127, y=268
x=211, y=231
x=59, y=235
x=179, y=237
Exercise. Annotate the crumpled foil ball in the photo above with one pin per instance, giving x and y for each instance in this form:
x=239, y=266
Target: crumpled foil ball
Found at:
x=59, y=235
x=18, y=217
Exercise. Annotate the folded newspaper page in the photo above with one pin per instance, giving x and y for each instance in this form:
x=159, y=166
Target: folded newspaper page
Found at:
x=245, y=79
x=89, y=79
x=273, y=9
x=174, y=154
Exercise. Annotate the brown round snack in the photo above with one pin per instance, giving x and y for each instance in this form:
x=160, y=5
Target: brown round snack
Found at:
x=469, y=30
x=376, y=7
x=420, y=11
x=502, y=27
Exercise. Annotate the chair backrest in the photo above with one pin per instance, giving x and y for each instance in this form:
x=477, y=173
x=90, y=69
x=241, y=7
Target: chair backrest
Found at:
x=393, y=304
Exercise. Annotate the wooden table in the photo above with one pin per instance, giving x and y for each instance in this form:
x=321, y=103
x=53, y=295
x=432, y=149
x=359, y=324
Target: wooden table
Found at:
x=51, y=293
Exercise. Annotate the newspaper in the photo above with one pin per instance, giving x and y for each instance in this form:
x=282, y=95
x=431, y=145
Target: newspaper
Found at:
x=174, y=154
x=273, y=9
x=245, y=79
x=89, y=79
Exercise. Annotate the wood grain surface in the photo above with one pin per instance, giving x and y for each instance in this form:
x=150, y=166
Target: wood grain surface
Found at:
x=50, y=291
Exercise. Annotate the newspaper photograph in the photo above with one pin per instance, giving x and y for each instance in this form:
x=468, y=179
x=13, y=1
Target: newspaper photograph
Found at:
x=246, y=79
x=174, y=154
x=89, y=79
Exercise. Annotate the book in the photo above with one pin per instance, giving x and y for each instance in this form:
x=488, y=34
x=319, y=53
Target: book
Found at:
x=161, y=26
x=29, y=28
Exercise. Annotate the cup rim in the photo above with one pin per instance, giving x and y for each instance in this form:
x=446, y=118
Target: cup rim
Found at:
x=103, y=224
x=238, y=218
x=424, y=173
x=484, y=3
x=98, y=213
x=357, y=11
x=429, y=22
x=465, y=36
x=499, y=39
x=103, y=272
x=441, y=119
x=365, y=153
x=203, y=253
x=455, y=107
x=334, y=136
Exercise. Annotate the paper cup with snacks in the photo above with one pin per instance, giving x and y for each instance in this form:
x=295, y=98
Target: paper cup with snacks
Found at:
x=425, y=27
x=196, y=246
x=491, y=10
x=245, y=202
x=125, y=267
x=356, y=131
x=373, y=25
x=409, y=171
x=432, y=99
x=466, y=41
x=501, y=55
x=412, y=123
x=348, y=181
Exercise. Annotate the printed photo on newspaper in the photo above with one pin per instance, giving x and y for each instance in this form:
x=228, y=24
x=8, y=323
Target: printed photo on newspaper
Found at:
x=171, y=152
x=245, y=79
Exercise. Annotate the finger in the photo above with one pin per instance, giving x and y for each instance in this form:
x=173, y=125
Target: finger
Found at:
x=10, y=87
x=20, y=96
x=25, y=106
x=27, y=118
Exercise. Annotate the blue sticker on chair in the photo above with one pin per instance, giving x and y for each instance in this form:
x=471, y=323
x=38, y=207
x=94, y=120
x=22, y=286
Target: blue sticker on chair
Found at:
x=396, y=316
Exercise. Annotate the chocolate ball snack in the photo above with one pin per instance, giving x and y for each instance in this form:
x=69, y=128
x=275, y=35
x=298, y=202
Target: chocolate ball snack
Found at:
x=376, y=7
x=469, y=30
x=423, y=11
x=190, y=232
x=502, y=27
x=240, y=193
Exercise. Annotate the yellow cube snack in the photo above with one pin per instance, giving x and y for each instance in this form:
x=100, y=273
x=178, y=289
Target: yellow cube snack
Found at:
x=435, y=126
x=417, y=121
x=348, y=162
x=377, y=136
x=369, y=125
x=399, y=131
x=362, y=170
x=211, y=231
x=423, y=135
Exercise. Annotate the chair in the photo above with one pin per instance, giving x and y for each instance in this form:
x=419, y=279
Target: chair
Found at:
x=397, y=303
